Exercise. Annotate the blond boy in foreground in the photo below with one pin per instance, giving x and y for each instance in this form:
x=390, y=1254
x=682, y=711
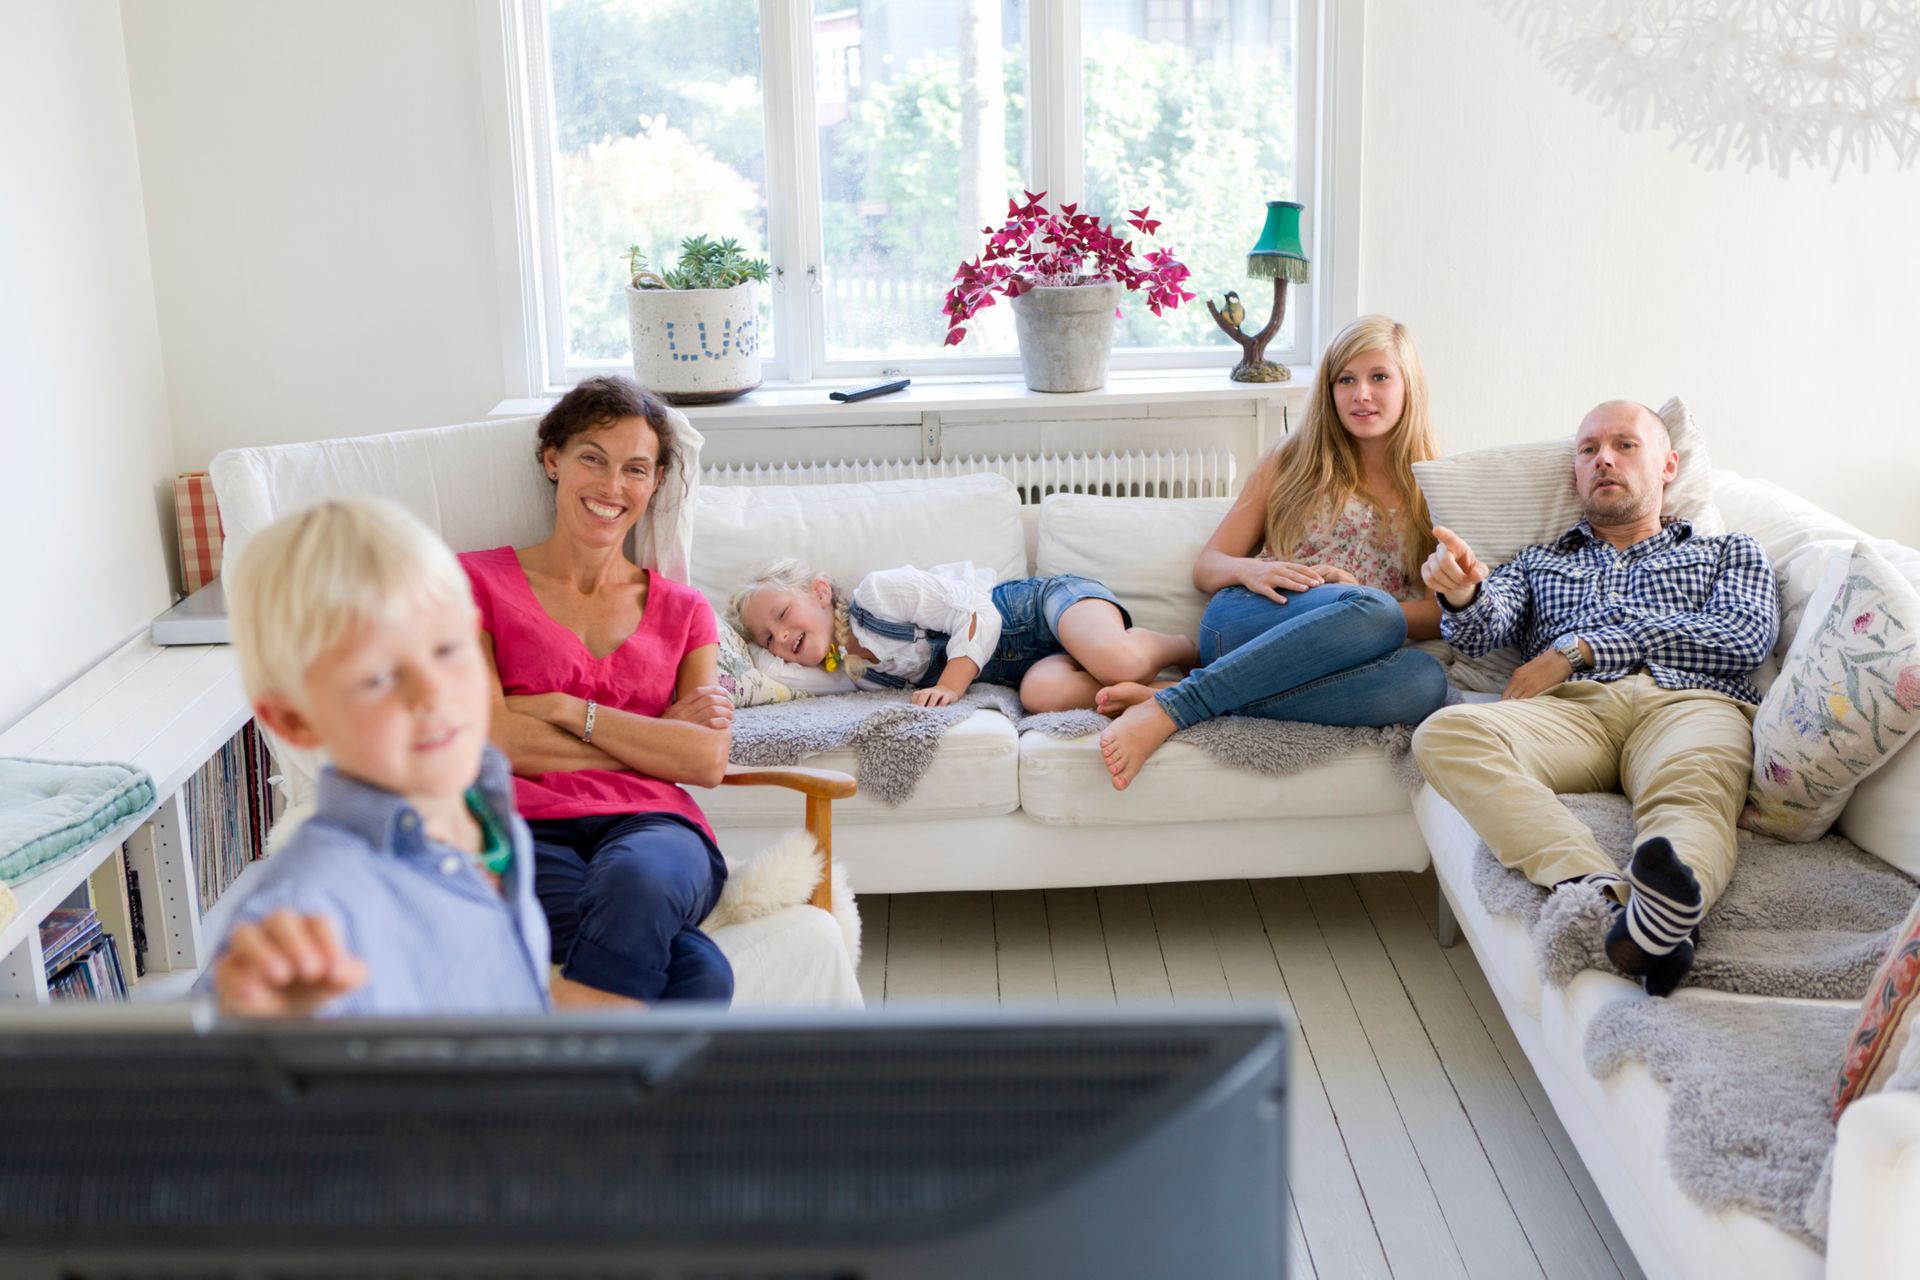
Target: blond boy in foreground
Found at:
x=410, y=889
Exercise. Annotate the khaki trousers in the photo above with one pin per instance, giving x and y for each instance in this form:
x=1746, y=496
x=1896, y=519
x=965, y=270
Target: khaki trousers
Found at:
x=1682, y=756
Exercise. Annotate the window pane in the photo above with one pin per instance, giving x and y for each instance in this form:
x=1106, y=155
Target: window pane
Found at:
x=1189, y=109
x=922, y=118
x=660, y=134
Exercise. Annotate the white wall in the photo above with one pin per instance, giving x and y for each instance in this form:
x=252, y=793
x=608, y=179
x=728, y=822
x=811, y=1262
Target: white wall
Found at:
x=1547, y=259
x=85, y=492
x=319, y=205
x=316, y=190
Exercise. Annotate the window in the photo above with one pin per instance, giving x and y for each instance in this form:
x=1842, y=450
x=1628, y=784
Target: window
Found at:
x=861, y=145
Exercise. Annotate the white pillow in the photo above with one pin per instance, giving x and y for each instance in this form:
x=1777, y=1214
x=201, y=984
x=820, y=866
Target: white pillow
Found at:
x=1506, y=499
x=1883, y=817
x=1847, y=698
x=846, y=531
x=1143, y=549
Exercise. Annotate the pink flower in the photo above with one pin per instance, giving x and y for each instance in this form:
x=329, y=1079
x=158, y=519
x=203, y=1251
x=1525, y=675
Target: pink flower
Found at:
x=1861, y=623
x=1906, y=688
x=1778, y=774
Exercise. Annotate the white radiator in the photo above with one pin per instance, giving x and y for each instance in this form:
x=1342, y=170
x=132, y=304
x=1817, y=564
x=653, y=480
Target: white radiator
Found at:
x=1206, y=473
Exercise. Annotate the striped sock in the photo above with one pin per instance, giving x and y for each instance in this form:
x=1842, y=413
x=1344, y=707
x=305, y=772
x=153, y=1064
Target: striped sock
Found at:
x=1611, y=883
x=1653, y=938
x=1667, y=904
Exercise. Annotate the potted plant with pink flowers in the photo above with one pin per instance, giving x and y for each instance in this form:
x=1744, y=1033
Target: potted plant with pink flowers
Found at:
x=1063, y=270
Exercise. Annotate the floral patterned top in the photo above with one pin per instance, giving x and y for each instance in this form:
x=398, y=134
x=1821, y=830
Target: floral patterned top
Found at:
x=1364, y=542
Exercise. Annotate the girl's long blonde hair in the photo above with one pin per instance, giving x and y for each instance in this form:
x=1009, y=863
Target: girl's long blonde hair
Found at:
x=1318, y=467
x=793, y=575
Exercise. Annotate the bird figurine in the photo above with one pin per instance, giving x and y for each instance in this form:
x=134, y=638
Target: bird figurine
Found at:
x=1234, y=312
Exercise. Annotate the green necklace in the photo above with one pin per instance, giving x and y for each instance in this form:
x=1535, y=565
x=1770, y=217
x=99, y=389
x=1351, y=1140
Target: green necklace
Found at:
x=496, y=850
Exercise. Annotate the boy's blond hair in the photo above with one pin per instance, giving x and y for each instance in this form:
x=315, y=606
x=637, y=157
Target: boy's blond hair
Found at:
x=306, y=581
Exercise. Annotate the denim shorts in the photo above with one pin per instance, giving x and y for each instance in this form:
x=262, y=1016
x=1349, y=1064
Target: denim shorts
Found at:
x=1030, y=611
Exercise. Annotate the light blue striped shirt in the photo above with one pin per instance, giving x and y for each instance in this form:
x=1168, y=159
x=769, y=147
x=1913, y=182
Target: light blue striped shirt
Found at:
x=437, y=937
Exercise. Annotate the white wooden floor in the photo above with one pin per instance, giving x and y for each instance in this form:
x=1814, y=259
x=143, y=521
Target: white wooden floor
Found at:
x=1422, y=1143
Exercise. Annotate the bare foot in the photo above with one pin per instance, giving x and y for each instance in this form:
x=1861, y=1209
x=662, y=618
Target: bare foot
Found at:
x=1115, y=698
x=1128, y=741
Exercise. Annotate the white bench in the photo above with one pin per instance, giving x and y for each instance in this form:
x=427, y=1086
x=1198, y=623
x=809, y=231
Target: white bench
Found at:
x=165, y=710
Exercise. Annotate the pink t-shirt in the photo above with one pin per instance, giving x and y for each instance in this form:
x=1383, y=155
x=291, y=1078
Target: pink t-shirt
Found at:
x=535, y=654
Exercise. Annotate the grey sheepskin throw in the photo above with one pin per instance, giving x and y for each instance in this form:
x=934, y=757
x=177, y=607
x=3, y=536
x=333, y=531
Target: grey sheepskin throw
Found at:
x=894, y=741
x=1809, y=920
x=1276, y=748
x=1749, y=1122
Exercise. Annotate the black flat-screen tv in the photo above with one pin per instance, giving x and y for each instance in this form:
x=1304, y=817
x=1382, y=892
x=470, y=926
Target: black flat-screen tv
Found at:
x=669, y=1146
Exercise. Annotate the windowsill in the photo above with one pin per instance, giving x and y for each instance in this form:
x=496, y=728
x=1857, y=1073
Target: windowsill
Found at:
x=806, y=403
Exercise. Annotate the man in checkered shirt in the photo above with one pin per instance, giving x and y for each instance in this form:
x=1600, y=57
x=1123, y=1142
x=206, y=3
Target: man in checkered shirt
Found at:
x=1640, y=637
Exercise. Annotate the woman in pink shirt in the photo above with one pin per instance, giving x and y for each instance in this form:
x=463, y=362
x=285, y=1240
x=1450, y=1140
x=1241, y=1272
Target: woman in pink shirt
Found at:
x=608, y=702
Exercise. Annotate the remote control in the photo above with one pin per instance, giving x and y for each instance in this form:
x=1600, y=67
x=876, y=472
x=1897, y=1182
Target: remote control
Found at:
x=851, y=394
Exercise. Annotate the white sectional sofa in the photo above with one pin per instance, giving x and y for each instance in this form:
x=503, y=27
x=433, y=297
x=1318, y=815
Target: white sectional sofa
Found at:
x=1001, y=811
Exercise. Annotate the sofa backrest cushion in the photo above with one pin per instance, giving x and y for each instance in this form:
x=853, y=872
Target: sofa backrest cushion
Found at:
x=1503, y=499
x=478, y=485
x=1142, y=548
x=848, y=530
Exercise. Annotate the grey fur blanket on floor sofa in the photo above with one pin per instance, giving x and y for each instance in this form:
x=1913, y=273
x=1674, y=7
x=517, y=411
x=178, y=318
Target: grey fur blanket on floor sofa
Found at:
x=1808, y=920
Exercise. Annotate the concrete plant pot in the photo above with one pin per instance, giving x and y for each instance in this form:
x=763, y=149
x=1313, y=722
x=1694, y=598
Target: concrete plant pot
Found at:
x=696, y=346
x=1066, y=335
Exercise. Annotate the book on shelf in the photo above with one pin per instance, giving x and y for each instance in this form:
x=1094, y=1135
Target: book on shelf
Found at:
x=227, y=808
x=82, y=962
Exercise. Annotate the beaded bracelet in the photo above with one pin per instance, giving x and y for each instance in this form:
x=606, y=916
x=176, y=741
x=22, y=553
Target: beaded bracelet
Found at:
x=586, y=734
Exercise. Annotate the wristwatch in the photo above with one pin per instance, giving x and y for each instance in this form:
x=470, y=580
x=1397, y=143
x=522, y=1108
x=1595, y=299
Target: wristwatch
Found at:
x=1568, y=647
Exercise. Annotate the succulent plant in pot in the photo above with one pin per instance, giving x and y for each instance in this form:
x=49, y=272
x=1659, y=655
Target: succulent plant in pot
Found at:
x=696, y=325
x=1063, y=272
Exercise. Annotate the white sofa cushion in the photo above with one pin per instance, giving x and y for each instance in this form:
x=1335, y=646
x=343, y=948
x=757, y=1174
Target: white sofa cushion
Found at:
x=1884, y=815
x=846, y=531
x=974, y=774
x=1143, y=549
x=1064, y=782
x=1502, y=943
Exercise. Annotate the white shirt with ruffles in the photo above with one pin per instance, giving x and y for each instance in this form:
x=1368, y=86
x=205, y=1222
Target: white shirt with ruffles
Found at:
x=948, y=599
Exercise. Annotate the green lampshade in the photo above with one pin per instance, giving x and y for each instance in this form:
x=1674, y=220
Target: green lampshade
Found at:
x=1278, y=253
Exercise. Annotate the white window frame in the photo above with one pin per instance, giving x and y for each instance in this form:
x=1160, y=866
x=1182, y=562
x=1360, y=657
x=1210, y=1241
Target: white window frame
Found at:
x=1327, y=83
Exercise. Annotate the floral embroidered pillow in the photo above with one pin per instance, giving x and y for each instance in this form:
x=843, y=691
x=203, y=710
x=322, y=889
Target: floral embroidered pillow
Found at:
x=1886, y=1019
x=750, y=686
x=1847, y=698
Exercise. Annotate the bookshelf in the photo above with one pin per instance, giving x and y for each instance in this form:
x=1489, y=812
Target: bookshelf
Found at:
x=167, y=710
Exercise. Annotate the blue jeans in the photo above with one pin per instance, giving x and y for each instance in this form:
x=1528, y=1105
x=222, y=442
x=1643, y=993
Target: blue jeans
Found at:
x=1331, y=655
x=624, y=896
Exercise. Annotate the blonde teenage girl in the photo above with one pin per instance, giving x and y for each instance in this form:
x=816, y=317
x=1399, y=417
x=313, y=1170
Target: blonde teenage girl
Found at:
x=1315, y=569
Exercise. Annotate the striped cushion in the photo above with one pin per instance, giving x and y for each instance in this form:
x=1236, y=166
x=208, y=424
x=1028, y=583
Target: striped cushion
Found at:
x=1505, y=499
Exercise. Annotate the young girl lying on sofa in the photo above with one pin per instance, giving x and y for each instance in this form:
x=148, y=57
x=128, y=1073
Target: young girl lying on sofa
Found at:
x=1057, y=640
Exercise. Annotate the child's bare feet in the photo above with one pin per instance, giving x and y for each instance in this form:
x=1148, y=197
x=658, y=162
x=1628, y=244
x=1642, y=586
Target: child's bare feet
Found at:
x=1128, y=741
x=1115, y=698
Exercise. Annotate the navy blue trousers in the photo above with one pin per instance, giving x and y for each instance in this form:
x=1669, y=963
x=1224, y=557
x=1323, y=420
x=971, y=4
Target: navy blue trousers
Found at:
x=624, y=894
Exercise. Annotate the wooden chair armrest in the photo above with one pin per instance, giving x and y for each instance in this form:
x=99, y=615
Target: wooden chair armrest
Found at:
x=821, y=784
x=821, y=787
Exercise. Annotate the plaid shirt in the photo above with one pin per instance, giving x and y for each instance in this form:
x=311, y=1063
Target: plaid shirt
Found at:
x=1697, y=613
